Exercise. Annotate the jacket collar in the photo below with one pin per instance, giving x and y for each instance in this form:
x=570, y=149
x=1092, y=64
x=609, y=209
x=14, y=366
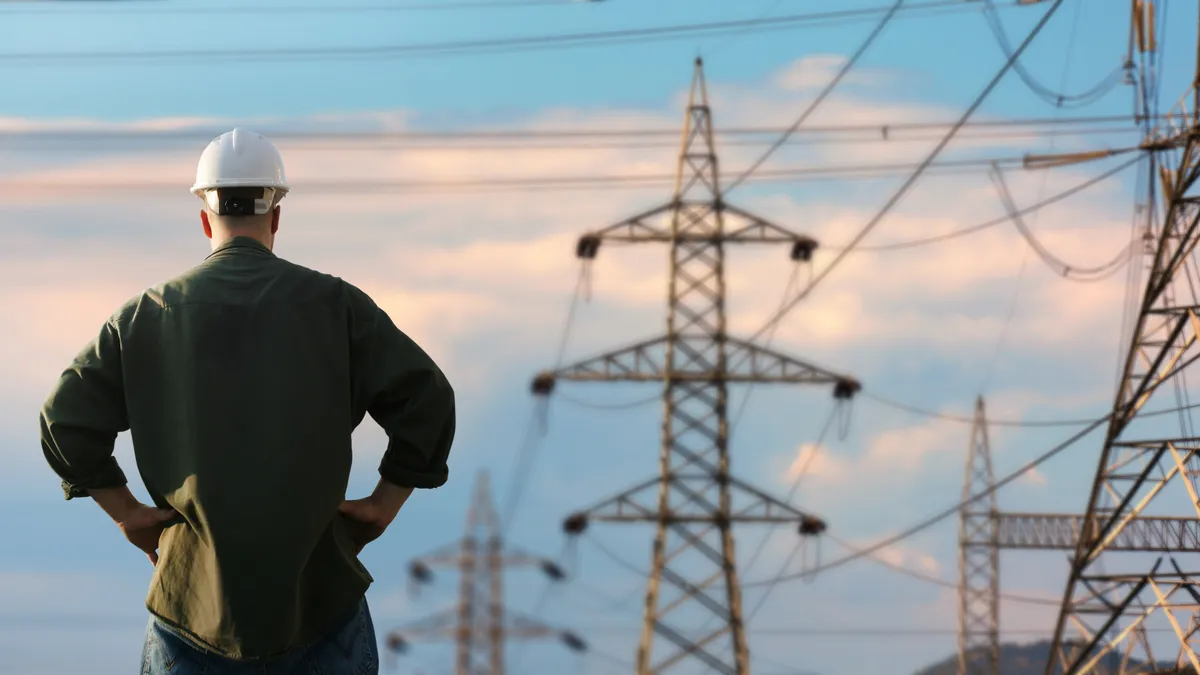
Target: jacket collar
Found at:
x=241, y=245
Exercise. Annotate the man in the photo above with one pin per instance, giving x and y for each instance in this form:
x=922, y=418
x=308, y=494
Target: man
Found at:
x=241, y=381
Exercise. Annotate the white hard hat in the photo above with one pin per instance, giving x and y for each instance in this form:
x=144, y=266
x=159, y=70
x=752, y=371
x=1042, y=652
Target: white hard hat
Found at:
x=241, y=158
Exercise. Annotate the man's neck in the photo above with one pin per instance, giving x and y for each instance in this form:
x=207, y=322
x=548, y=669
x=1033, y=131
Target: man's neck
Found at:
x=224, y=238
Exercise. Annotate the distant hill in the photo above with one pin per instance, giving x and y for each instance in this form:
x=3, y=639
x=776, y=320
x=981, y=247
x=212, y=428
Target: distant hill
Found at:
x=1030, y=659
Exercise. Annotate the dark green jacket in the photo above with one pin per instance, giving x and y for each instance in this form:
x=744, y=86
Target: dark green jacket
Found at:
x=241, y=382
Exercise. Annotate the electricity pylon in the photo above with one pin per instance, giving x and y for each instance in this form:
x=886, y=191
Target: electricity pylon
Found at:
x=984, y=531
x=978, y=560
x=480, y=625
x=692, y=499
x=1145, y=468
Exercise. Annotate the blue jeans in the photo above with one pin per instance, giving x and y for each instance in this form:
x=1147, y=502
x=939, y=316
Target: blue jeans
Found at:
x=348, y=649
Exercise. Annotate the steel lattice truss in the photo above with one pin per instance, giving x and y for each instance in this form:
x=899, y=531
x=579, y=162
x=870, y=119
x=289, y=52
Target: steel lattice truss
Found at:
x=1109, y=598
x=979, y=561
x=480, y=625
x=693, y=589
x=1042, y=531
x=984, y=531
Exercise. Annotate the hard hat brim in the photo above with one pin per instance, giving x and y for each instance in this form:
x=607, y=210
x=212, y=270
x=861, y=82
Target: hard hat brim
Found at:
x=214, y=185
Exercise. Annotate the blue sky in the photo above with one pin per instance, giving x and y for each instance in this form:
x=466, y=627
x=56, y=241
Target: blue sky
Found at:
x=482, y=279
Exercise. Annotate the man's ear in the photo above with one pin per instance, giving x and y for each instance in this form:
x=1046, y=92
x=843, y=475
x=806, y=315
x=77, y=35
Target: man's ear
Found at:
x=275, y=219
x=207, y=225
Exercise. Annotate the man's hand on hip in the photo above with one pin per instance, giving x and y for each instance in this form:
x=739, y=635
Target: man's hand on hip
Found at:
x=142, y=525
x=370, y=516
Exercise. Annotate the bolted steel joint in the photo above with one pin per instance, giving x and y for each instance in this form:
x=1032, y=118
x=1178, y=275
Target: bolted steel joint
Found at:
x=802, y=249
x=811, y=526
x=396, y=643
x=846, y=388
x=552, y=570
x=420, y=572
x=575, y=524
x=588, y=247
x=543, y=384
x=573, y=642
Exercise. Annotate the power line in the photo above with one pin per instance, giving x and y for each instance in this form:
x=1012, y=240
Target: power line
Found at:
x=878, y=131
x=843, y=631
x=913, y=243
x=937, y=518
x=281, y=10
x=527, y=450
x=928, y=578
x=492, y=45
x=1055, y=98
x=929, y=160
x=1006, y=423
x=820, y=98
x=368, y=142
x=861, y=171
x=1052, y=261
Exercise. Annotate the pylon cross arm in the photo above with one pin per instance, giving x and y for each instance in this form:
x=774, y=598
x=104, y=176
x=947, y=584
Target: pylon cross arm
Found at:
x=637, y=228
x=640, y=504
x=693, y=221
x=1055, y=531
x=745, y=362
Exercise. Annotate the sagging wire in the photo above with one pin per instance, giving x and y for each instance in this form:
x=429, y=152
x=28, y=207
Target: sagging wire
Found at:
x=913, y=243
x=1061, y=267
x=624, y=405
x=844, y=409
x=540, y=418
x=525, y=454
x=808, y=460
x=916, y=174
x=820, y=98
x=942, y=515
x=787, y=293
x=1055, y=98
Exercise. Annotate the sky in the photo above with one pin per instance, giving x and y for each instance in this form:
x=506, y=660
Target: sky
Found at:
x=482, y=276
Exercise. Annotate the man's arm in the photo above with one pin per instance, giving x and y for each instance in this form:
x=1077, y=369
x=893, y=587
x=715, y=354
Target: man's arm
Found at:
x=405, y=392
x=80, y=422
x=82, y=417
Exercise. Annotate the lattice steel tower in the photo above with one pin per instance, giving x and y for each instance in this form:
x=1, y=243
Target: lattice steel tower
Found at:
x=978, y=561
x=692, y=501
x=1144, y=467
x=480, y=625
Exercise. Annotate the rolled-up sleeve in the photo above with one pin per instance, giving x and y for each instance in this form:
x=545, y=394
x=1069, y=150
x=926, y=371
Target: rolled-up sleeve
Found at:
x=405, y=392
x=83, y=415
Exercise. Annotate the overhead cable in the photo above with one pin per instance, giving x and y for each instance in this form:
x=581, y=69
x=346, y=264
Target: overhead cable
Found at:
x=916, y=175
x=878, y=131
x=936, y=518
x=820, y=98
x=861, y=171
x=1055, y=98
x=1061, y=267
x=481, y=46
x=924, y=241
x=928, y=578
x=1006, y=423
x=278, y=10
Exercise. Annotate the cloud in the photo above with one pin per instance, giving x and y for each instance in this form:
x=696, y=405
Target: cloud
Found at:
x=816, y=71
x=900, y=555
x=816, y=461
x=1035, y=477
